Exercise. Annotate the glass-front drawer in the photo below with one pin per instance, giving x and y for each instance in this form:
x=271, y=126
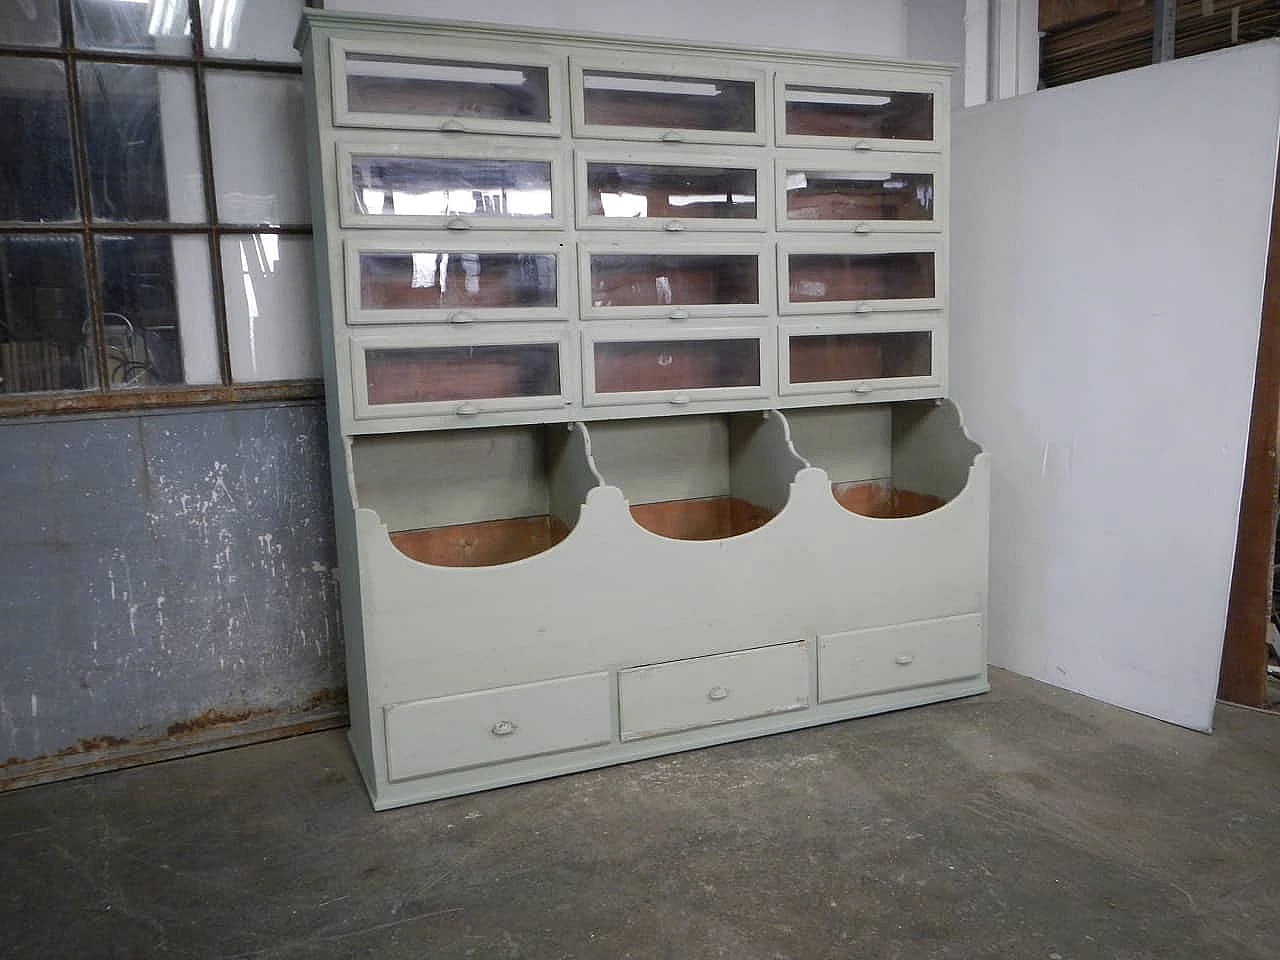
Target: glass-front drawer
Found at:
x=673, y=101
x=438, y=182
x=832, y=358
x=674, y=366
x=859, y=194
x=399, y=375
x=861, y=278
x=700, y=280
x=394, y=280
x=456, y=89
x=898, y=112
x=657, y=191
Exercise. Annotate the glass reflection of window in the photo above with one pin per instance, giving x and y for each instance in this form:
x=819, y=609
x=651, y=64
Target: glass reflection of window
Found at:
x=624, y=204
x=259, y=254
x=453, y=203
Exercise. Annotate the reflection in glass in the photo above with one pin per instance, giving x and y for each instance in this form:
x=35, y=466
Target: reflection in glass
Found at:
x=662, y=280
x=828, y=277
x=859, y=195
x=447, y=187
x=681, y=103
x=425, y=280
x=157, y=310
x=447, y=88
x=637, y=365
x=46, y=335
x=140, y=134
x=157, y=26
x=270, y=289
x=30, y=23
x=251, y=29
x=860, y=356
x=427, y=374
x=870, y=114
x=256, y=125
x=37, y=183
x=642, y=190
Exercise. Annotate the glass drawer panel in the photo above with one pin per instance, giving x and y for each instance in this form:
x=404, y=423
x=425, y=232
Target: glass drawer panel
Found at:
x=821, y=358
x=629, y=366
x=619, y=99
x=456, y=280
x=412, y=375
x=838, y=277
x=883, y=195
x=811, y=110
x=664, y=280
x=393, y=187
x=452, y=92
x=631, y=192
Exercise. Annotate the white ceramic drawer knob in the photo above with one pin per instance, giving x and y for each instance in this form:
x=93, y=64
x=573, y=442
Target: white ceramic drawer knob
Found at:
x=453, y=125
x=467, y=409
x=503, y=728
x=457, y=223
x=679, y=314
x=862, y=388
x=461, y=316
x=674, y=226
x=862, y=228
x=904, y=660
x=671, y=136
x=680, y=399
x=862, y=145
x=718, y=693
x=862, y=308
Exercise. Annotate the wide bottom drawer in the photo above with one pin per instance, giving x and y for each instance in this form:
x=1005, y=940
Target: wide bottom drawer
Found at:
x=489, y=726
x=884, y=659
x=683, y=694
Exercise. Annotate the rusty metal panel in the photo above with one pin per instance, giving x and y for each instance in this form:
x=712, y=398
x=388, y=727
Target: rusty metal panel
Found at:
x=163, y=575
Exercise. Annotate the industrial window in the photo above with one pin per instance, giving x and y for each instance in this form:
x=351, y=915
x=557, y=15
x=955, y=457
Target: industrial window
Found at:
x=155, y=239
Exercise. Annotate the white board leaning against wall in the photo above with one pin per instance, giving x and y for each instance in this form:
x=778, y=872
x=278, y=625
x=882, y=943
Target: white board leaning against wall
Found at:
x=1110, y=240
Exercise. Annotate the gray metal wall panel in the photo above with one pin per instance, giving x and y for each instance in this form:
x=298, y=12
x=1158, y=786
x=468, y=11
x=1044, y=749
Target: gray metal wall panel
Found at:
x=162, y=570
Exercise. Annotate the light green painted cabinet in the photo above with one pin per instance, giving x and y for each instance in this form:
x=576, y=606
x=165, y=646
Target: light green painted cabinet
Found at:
x=635, y=354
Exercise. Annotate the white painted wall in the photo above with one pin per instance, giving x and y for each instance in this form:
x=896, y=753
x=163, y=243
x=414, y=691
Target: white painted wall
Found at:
x=871, y=27
x=1109, y=243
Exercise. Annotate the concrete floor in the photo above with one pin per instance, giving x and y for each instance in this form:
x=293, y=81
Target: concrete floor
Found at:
x=1029, y=823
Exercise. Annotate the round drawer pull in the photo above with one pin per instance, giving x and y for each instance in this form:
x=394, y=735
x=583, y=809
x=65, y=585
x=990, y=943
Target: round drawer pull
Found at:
x=671, y=136
x=904, y=660
x=718, y=693
x=461, y=316
x=453, y=125
x=679, y=315
x=863, y=308
x=674, y=226
x=862, y=228
x=457, y=223
x=862, y=145
x=863, y=388
x=503, y=728
x=466, y=409
x=680, y=399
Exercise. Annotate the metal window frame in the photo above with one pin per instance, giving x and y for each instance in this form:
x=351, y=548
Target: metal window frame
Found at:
x=103, y=397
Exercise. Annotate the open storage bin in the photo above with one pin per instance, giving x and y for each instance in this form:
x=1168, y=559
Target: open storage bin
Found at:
x=474, y=498
x=698, y=477
x=887, y=460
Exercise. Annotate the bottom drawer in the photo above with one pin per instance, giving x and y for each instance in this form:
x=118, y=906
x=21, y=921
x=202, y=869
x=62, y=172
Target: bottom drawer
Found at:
x=683, y=694
x=884, y=659
x=489, y=726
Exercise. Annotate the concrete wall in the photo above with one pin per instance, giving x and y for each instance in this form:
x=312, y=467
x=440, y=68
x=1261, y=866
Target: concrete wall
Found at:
x=161, y=575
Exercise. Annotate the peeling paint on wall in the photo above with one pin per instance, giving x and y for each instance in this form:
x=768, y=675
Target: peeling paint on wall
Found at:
x=157, y=567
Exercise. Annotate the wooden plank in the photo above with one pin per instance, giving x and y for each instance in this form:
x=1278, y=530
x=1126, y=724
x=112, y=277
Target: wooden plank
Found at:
x=712, y=518
x=884, y=501
x=1243, y=676
x=483, y=544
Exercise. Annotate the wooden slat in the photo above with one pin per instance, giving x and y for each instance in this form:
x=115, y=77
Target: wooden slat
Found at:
x=1243, y=678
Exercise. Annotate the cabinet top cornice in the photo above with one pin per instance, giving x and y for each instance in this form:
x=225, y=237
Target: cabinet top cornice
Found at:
x=401, y=28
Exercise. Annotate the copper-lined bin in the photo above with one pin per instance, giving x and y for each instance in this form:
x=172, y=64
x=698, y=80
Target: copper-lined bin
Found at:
x=475, y=498
x=707, y=477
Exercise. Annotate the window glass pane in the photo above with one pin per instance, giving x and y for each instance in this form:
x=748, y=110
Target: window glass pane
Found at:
x=251, y=29
x=157, y=304
x=637, y=365
x=827, y=277
x=37, y=182
x=659, y=280
x=30, y=23
x=876, y=114
x=140, y=134
x=451, y=186
x=46, y=337
x=425, y=280
x=447, y=88
x=137, y=26
x=639, y=190
x=860, y=356
x=685, y=103
x=427, y=374
x=858, y=195
x=271, y=317
x=256, y=127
